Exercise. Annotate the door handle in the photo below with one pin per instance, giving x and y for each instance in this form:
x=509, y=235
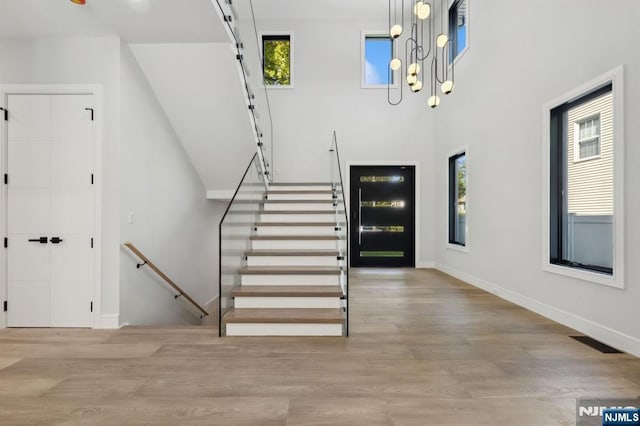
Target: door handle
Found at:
x=41, y=240
x=56, y=240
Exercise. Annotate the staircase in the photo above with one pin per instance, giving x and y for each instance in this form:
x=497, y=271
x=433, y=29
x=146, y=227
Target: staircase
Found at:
x=293, y=281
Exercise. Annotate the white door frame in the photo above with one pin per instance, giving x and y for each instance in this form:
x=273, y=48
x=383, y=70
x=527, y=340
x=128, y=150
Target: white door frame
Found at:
x=416, y=165
x=55, y=89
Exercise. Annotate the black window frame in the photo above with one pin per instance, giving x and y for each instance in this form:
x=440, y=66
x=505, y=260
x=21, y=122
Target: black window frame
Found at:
x=557, y=177
x=454, y=12
x=453, y=199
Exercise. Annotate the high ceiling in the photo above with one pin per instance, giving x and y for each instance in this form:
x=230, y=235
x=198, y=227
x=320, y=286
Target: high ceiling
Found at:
x=136, y=21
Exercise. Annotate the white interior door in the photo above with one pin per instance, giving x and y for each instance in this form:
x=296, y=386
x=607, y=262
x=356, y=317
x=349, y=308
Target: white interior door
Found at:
x=51, y=211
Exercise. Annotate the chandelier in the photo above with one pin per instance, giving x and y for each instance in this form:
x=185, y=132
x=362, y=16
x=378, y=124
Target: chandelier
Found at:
x=427, y=49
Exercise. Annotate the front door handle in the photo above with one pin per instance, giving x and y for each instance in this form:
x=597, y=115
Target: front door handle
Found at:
x=56, y=240
x=41, y=240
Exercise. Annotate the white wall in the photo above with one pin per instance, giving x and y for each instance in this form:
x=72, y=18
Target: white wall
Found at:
x=80, y=61
x=513, y=67
x=328, y=95
x=174, y=224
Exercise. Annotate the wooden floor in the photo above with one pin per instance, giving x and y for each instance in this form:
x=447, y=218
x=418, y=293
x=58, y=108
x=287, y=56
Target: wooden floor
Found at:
x=425, y=349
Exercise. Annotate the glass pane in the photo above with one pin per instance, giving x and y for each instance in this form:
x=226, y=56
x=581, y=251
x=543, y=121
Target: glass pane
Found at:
x=377, y=55
x=381, y=254
x=377, y=228
x=396, y=204
x=276, y=51
x=587, y=222
x=382, y=179
x=461, y=199
x=461, y=27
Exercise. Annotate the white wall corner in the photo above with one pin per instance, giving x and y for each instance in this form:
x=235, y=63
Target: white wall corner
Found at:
x=600, y=332
x=109, y=321
x=425, y=264
x=225, y=195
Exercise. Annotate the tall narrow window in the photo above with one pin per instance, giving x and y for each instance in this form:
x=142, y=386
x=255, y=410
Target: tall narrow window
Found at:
x=276, y=60
x=377, y=51
x=458, y=199
x=582, y=182
x=458, y=17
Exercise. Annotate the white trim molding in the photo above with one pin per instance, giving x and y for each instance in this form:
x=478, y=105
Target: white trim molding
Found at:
x=616, y=280
x=603, y=333
x=59, y=89
x=110, y=321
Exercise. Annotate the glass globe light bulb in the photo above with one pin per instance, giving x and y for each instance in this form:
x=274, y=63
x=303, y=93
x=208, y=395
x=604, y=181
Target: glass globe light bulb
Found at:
x=433, y=101
x=441, y=40
x=417, y=86
x=414, y=69
x=395, y=64
x=424, y=11
x=411, y=80
x=447, y=87
x=395, y=31
x=417, y=6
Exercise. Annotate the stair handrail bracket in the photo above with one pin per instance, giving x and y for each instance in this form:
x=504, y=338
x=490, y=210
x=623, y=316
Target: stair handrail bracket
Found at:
x=165, y=278
x=340, y=203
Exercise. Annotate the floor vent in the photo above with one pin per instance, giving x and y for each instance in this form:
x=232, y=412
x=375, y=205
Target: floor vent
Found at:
x=599, y=346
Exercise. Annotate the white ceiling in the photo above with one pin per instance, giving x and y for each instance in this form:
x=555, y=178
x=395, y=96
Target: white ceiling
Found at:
x=136, y=21
x=352, y=10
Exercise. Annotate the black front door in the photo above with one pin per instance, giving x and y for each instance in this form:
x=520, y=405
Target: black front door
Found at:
x=382, y=215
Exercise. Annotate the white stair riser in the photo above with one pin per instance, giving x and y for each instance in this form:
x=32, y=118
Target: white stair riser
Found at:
x=290, y=279
x=330, y=216
x=292, y=261
x=301, y=196
x=299, y=206
x=300, y=188
x=295, y=244
x=284, y=329
x=296, y=230
x=287, y=302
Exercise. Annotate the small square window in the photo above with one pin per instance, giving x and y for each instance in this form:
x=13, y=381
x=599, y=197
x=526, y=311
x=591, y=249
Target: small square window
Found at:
x=276, y=60
x=377, y=51
x=458, y=28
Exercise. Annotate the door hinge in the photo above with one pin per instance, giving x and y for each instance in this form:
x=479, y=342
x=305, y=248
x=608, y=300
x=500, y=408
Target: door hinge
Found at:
x=91, y=178
x=92, y=242
x=90, y=109
x=6, y=179
x=6, y=113
x=91, y=307
x=6, y=242
x=5, y=306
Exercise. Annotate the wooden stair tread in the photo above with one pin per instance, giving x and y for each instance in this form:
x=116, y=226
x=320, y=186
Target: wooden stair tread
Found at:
x=290, y=270
x=287, y=291
x=295, y=237
x=299, y=201
x=301, y=191
x=288, y=315
x=286, y=252
x=333, y=224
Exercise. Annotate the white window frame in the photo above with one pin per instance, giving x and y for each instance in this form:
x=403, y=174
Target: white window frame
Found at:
x=457, y=247
x=291, y=59
x=616, y=280
x=363, y=82
x=577, y=141
x=468, y=23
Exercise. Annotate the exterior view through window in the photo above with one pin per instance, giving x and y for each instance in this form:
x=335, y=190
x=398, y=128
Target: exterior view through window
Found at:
x=377, y=55
x=276, y=60
x=582, y=184
x=458, y=28
x=458, y=199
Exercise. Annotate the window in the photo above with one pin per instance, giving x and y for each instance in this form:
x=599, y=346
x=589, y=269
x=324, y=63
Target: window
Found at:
x=458, y=26
x=458, y=199
x=588, y=138
x=377, y=53
x=276, y=60
x=582, y=192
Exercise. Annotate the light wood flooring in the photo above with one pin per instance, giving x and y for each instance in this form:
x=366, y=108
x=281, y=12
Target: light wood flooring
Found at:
x=425, y=349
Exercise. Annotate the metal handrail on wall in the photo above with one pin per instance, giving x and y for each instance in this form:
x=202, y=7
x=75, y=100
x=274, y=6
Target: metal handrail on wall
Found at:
x=334, y=148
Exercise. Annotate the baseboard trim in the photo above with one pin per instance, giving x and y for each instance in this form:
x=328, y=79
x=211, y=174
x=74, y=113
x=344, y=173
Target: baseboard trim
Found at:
x=600, y=332
x=425, y=265
x=110, y=321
